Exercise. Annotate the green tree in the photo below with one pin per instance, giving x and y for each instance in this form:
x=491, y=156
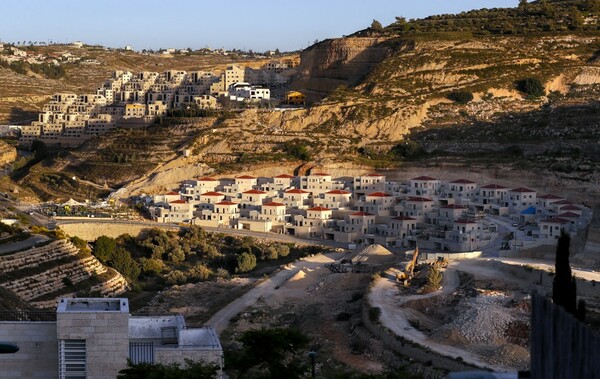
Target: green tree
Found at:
x=564, y=287
x=152, y=266
x=376, y=25
x=434, y=279
x=104, y=248
x=245, y=262
x=532, y=87
x=575, y=19
x=272, y=353
x=39, y=149
x=461, y=97
x=122, y=261
x=191, y=370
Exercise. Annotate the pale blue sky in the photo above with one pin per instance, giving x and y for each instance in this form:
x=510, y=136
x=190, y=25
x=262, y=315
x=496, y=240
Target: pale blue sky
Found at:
x=244, y=24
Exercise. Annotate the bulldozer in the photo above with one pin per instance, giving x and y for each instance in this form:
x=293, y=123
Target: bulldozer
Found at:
x=409, y=269
x=440, y=262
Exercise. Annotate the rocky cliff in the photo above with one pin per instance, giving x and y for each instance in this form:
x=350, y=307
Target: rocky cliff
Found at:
x=332, y=63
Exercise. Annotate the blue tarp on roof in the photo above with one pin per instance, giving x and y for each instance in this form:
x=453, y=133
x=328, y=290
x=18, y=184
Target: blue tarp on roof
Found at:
x=528, y=211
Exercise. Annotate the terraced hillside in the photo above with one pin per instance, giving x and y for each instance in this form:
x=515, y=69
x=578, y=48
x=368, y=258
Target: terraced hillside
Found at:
x=42, y=274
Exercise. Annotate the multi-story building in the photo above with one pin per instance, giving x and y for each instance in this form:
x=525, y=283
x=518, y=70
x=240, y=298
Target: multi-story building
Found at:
x=94, y=337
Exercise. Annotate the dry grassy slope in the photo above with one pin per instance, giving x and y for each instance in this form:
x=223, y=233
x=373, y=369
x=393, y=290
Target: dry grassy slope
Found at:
x=21, y=96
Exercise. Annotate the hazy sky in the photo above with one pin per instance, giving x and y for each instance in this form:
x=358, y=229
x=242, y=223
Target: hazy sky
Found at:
x=245, y=24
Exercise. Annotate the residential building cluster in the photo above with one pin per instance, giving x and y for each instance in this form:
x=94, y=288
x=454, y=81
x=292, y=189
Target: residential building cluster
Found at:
x=11, y=53
x=430, y=213
x=94, y=338
x=130, y=100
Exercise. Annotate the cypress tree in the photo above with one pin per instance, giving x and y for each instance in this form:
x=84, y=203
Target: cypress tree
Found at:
x=564, y=287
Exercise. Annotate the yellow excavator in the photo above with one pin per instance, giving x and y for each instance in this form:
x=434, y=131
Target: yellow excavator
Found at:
x=409, y=269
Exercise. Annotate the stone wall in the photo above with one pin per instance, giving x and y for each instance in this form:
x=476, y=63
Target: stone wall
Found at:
x=91, y=231
x=107, y=340
x=38, y=354
x=179, y=355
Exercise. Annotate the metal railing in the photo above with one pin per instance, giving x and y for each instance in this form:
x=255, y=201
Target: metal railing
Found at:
x=27, y=315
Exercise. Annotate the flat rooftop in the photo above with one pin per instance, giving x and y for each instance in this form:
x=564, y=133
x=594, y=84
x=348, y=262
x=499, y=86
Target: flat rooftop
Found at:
x=120, y=305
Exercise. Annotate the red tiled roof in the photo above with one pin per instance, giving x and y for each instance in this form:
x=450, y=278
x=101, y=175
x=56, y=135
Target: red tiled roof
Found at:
x=556, y=220
x=570, y=207
x=424, y=178
x=379, y=194
x=172, y=193
x=319, y=209
x=273, y=204
x=521, y=189
x=374, y=174
x=565, y=202
x=405, y=218
x=320, y=174
x=568, y=215
x=226, y=203
x=212, y=193
x=338, y=192
x=207, y=179
x=462, y=181
x=284, y=176
x=177, y=202
x=419, y=199
x=493, y=186
x=245, y=177
x=362, y=214
x=550, y=197
x=255, y=192
x=454, y=206
x=296, y=190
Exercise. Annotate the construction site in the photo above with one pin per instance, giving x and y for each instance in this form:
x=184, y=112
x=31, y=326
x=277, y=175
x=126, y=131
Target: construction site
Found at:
x=372, y=309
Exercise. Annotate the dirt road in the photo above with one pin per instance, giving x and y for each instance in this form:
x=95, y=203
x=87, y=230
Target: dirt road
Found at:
x=266, y=287
x=386, y=295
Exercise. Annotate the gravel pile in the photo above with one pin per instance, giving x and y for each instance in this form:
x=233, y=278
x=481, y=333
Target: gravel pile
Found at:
x=482, y=318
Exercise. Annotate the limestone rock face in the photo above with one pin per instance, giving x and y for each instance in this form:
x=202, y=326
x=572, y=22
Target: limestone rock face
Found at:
x=8, y=153
x=336, y=62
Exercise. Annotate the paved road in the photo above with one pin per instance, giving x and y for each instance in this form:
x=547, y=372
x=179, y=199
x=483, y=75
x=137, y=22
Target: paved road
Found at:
x=11, y=247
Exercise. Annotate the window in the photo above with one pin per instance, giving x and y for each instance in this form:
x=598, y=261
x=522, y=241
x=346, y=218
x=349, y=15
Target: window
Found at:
x=72, y=359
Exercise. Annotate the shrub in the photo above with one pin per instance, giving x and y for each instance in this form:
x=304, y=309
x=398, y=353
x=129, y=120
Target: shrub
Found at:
x=532, y=87
x=245, y=262
x=434, y=278
x=461, y=97
x=374, y=314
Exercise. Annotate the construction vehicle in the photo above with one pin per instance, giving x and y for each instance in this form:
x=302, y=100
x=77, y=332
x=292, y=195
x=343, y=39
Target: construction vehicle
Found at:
x=440, y=262
x=409, y=269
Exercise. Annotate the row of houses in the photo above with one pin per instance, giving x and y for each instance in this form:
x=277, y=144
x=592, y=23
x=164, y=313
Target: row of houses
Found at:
x=130, y=100
x=367, y=209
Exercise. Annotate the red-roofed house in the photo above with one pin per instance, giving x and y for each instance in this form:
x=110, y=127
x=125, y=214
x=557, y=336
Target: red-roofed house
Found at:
x=224, y=214
x=313, y=224
x=461, y=190
x=274, y=212
x=551, y=227
x=355, y=227
x=521, y=198
x=451, y=212
x=379, y=203
x=317, y=183
x=401, y=227
x=166, y=198
x=284, y=180
x=415, y=207
x=334, y=199
x=296, y=198
x=492, y=198
x=177, y=211
x=192, y=189
x=368, y=183
x=561, y=208
x=545, y=204
x=244, y=183
x=211, y=197
x=424, y=186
